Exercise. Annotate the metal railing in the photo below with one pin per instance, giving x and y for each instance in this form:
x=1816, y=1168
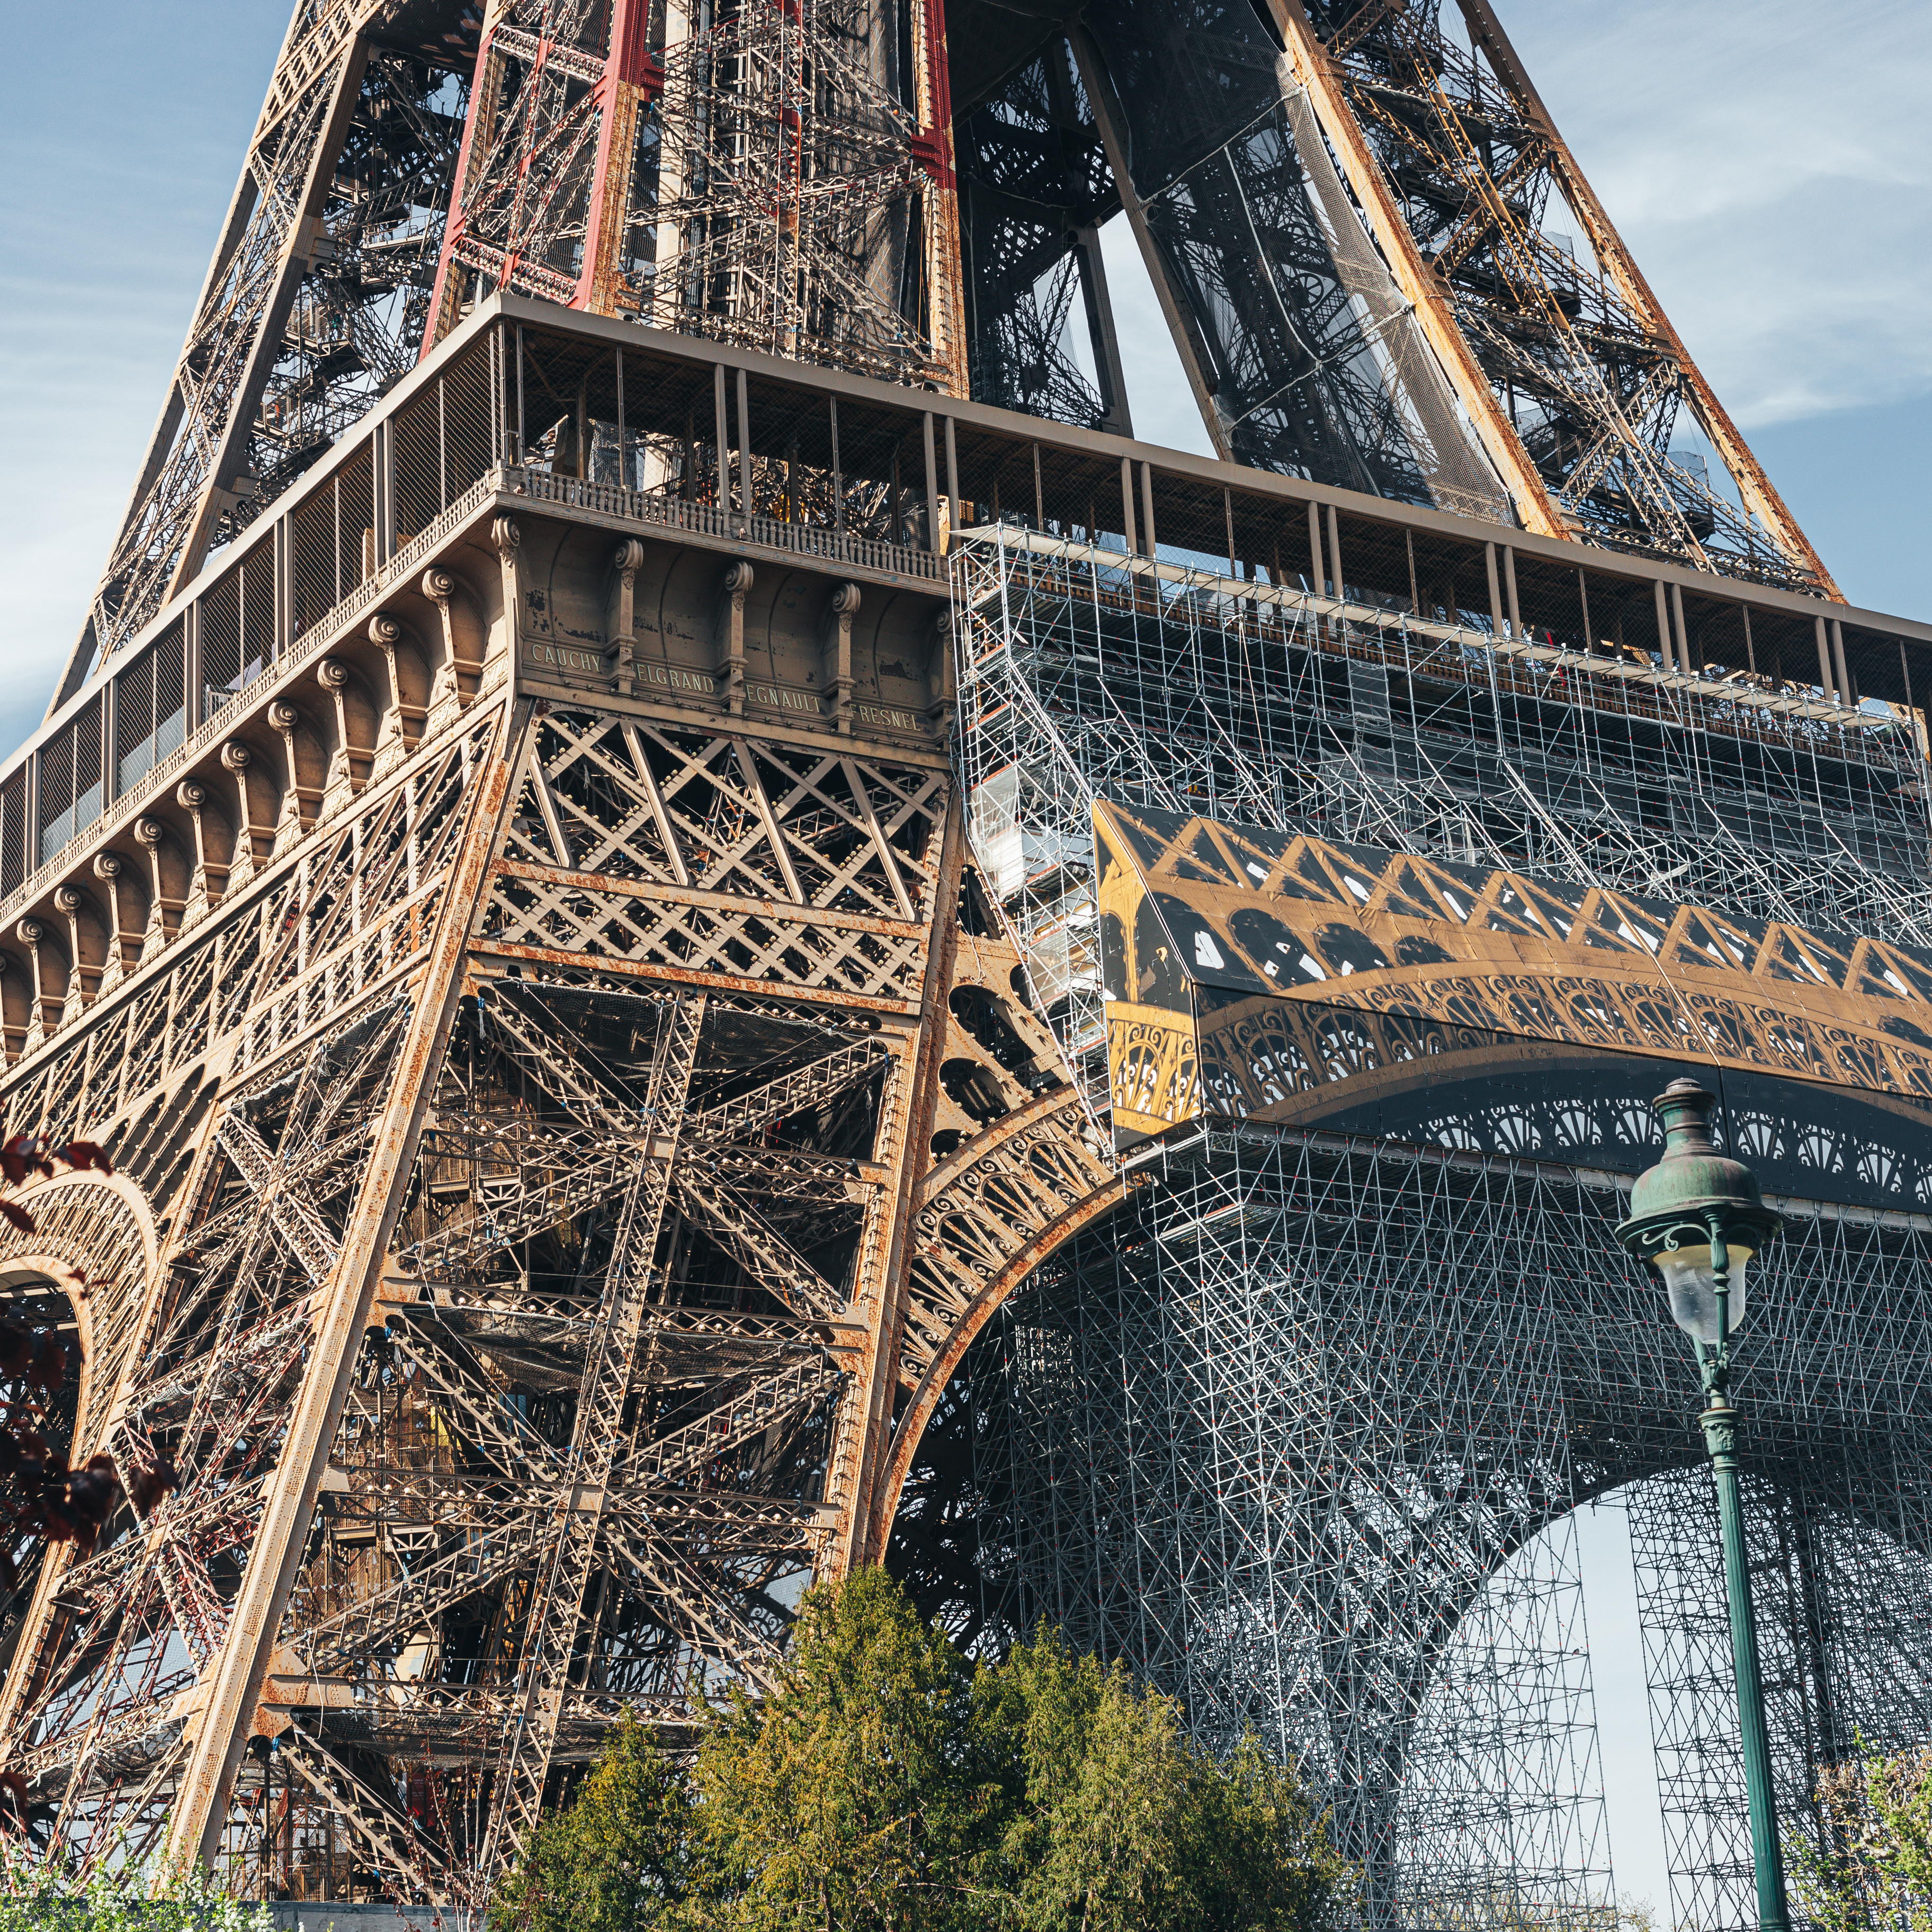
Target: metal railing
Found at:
x=805, y=540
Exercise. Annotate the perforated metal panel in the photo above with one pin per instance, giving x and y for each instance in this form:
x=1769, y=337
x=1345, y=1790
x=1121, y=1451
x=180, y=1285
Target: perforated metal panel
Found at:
x=69, y=768
x=150, y=708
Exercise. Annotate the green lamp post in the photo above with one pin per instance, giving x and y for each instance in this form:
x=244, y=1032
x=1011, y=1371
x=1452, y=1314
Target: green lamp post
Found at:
x=1697, y=1218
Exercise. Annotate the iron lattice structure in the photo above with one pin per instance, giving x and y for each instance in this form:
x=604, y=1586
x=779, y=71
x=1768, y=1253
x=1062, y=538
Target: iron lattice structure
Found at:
x=1383, y=268
x=314, y=303
x=776, y=178
x=552, y=1125
x=1300, y=1433
x=583, y=929
x=578, y=1101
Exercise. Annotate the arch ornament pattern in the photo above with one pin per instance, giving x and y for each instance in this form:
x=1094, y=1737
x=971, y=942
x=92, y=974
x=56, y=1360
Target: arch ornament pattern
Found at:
x=96, y=1232
x=985, y=1219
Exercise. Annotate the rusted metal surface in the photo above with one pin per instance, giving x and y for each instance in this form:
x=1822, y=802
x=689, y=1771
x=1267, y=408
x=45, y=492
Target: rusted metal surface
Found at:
x=234, y=1681
x=581, y=1110
x=446, y=1504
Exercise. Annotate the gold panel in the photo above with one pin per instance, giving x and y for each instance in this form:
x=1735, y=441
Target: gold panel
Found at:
x=1245, y=968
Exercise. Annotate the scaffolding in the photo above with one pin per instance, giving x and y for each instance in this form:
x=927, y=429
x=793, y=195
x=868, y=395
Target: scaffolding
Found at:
x=1300, y=1433
x=1086, y=670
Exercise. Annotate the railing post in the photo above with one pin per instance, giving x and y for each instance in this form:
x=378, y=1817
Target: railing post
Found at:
x=520, y=447
x=931, y=485
x=195, y=698
x=384, y=464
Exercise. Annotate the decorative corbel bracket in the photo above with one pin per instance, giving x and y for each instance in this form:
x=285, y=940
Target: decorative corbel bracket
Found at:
x=459, y=676
x=941, y=709
x=730, y=667
x=236, y=758
x=124, y=922
x=301, y=795
x=627, y=561
x=353, y=758
x=404, y=707
x=50, y=980
x=169, y=883
x=213, y=852
x=838, y=654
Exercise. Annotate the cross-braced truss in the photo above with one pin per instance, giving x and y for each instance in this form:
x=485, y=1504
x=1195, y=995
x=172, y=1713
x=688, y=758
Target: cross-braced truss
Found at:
x=315, y=302
x=775, y=177
x=1468, y=183
x=519, y=1157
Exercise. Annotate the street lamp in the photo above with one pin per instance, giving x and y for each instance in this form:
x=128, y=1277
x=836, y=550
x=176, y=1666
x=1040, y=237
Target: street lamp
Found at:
x=1697, y=1218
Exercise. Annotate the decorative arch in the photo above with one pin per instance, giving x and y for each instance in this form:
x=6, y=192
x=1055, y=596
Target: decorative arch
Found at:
x=99, y=1230
x=983, y=1221
x=101, y=1227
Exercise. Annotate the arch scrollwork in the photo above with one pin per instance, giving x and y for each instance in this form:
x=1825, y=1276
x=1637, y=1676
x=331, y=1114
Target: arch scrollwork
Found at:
x=984, y=1220
x=95, y=1237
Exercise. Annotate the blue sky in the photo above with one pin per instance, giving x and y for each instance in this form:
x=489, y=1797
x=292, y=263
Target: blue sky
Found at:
x=1772, y=181
x=1769, y=166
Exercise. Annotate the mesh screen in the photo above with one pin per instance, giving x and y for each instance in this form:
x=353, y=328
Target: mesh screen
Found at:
x=150, y=710
x=133, y=720
x=220, y=643
x=312, y=571
x=355, y=520
x=13, y=830
x=71, y=792
x=882, y=475
x=416, y=448
x=257, y=574
x=1457, y=473
x=567, y=385
x=466, y=417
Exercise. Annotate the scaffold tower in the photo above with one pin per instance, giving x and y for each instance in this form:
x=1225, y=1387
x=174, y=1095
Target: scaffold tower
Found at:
x=1301, y=1432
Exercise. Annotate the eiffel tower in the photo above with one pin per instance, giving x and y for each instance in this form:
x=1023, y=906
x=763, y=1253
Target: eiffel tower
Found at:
x=563, y=865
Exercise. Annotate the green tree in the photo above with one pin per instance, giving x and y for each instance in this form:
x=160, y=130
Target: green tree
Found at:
x=1122, y=1824
x=882, y=1782
x=615, y=1859
x=847, y=1797
x=1870, y=1861
x=35, y=1897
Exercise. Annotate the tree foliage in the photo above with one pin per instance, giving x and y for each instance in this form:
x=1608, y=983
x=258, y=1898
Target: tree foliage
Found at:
x=35, y=1897
x=883, y=1783
x=616, y=1856
x=1870, y=1861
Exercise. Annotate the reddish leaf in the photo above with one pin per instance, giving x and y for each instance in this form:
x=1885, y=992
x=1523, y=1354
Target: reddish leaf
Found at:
x=94, y=1493
x=86, y=1154
x=148, y=1483
x=46, y=1369
x=17, y=1216
x=30, y=1153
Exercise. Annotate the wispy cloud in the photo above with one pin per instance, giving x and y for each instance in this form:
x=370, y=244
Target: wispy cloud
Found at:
x=1768, y=162
x=122, y=129
x=1768, y=165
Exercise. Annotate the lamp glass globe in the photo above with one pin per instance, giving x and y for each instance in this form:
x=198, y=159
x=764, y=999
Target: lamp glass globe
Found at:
x=1692, y=1285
